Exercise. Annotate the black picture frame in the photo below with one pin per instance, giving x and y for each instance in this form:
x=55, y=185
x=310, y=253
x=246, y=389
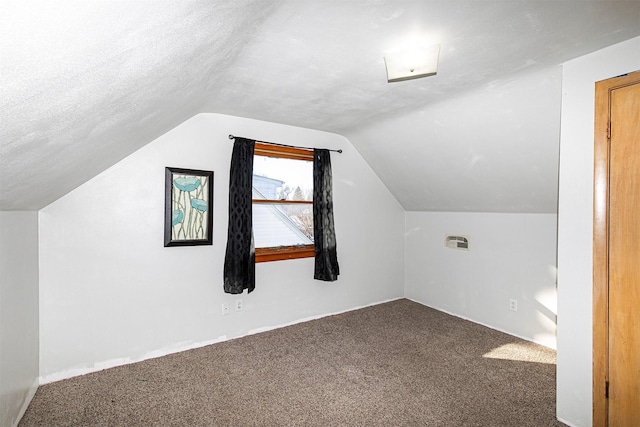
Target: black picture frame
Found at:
x=188, y=207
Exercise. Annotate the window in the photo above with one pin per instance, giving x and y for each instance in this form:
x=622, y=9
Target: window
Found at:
x=282, y=202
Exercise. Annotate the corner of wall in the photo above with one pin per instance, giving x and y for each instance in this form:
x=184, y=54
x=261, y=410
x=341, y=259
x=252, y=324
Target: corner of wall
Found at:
x=19, y=305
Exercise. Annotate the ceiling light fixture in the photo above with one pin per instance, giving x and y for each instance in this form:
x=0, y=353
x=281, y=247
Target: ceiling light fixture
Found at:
x=412, y=63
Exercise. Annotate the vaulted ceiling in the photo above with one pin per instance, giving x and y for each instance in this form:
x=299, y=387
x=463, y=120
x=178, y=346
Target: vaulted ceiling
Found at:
x=85, y=83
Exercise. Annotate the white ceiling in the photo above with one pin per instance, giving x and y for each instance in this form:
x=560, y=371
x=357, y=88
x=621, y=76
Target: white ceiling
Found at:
x=85, y=83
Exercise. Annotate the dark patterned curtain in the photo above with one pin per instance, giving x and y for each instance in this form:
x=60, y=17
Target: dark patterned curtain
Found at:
x=326, y=267
x=240, y=258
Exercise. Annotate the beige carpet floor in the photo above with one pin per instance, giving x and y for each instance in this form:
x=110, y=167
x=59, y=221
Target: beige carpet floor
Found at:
x=393, y=364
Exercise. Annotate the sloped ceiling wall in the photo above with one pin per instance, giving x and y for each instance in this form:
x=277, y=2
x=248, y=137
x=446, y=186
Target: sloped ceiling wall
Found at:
x=492, y=149
x=87, y=83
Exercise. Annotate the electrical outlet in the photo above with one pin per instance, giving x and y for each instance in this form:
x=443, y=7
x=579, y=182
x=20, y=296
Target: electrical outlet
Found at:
x=225, y=308
x=238, y=305
x=513, y=305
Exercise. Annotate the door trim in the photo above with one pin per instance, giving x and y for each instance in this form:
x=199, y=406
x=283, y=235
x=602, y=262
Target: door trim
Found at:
x=601, y=242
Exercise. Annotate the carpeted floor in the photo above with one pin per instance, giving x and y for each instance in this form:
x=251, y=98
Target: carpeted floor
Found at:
x=394, y=364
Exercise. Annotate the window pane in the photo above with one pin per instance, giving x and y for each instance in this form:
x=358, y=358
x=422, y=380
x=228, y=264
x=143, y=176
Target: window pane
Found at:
x=282, y=179
x=279, y=224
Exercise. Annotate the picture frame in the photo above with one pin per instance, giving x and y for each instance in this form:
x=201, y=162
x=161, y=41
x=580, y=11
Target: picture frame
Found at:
x=188, y=207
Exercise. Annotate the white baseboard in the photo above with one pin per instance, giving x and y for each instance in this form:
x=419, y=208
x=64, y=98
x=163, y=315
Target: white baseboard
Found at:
x=566, y=422
x=27, y=401
x=184, y=346
x=485, y=325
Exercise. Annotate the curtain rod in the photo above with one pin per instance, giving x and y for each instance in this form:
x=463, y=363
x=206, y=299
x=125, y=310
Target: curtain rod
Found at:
x=283, y=145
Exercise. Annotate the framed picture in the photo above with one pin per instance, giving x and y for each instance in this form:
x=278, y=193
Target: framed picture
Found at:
x=188, y=207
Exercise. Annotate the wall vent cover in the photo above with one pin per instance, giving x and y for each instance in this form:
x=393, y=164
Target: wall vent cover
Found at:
x=456, y=242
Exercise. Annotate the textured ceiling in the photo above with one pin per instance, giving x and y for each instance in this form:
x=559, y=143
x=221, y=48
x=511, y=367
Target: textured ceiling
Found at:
x=85, y=83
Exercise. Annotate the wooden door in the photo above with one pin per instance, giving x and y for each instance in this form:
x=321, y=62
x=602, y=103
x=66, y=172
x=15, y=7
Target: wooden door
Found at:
x=617, y=253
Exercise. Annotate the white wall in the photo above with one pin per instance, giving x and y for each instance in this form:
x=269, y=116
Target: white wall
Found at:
x=575, y=223
x=510, y=256
x=18, y=313
x=111, y=293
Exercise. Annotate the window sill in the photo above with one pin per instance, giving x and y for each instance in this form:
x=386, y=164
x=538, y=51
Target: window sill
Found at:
x=284, y=253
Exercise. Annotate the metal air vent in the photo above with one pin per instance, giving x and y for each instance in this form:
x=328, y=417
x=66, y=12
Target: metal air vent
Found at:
x=456, y=242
